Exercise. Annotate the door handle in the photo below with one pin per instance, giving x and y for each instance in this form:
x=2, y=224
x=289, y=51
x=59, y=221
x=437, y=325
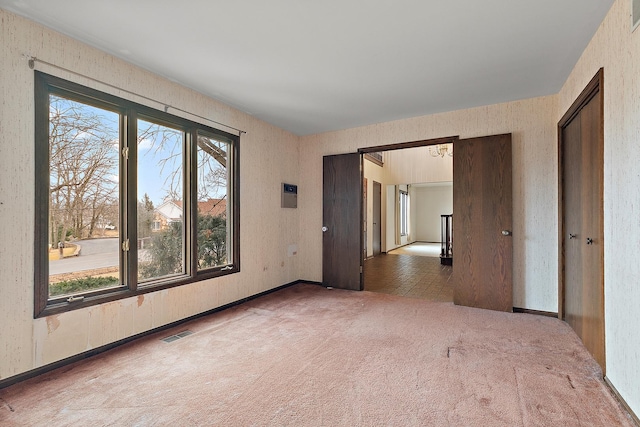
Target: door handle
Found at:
x=589, y=241
x=572, y=236
x=506, y=232
x=324, y=229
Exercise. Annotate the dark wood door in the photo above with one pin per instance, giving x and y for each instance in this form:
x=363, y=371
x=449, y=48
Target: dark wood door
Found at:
x=482, y=208
x=377, y=218
x=593, y=226
x=365, y=196
x=341, y=216
x=572, y=218
x=582, y=241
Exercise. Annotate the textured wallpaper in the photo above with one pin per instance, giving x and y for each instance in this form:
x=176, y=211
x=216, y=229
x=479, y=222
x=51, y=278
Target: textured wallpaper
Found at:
x=617, y=50
x=269, y=156
x=533, y=125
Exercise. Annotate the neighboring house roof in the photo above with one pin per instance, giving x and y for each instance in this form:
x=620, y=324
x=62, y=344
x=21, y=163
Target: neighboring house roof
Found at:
x=172, y=209
x=213, y=207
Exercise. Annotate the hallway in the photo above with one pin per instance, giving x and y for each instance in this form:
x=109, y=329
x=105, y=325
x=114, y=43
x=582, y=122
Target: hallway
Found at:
x=408, y=275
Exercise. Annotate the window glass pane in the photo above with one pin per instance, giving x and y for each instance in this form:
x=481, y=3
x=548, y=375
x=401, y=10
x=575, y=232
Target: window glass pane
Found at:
x=83, y=227
x=160, y=221
x=213, y=231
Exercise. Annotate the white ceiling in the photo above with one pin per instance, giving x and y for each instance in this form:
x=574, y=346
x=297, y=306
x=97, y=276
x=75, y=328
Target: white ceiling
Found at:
x=314, y=66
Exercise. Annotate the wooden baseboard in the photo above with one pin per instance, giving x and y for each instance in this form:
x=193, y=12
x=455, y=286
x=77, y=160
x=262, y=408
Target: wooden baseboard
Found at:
x=622, y=402
x=538, y=312
x=6, y=382
x=307, y=282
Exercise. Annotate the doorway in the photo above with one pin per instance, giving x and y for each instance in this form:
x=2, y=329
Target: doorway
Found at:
x=412, y=266
x=409, y=275
x=486, y=192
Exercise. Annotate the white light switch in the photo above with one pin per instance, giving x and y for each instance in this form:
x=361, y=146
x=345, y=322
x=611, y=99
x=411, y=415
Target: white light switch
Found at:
x=292, y=250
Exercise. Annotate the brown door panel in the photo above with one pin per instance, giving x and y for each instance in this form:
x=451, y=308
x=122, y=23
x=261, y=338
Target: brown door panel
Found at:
x=581, y=297
x=482, y=211
x=341, y=216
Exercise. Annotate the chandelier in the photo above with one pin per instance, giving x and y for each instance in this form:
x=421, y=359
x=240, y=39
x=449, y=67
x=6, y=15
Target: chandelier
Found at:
x=441, y=150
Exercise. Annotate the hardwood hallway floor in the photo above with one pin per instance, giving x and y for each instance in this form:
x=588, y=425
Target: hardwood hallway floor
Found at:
x=409, y=275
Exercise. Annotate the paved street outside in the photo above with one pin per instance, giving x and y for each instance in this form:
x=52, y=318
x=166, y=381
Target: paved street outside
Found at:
x=95, y=253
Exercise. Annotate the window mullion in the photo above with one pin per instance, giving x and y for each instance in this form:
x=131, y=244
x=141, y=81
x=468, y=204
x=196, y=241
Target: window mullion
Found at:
x=191, y=193
x=129, y=247
x=91, y=193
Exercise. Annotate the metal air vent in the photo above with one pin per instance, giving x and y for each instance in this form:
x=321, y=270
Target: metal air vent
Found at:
x=177, y=336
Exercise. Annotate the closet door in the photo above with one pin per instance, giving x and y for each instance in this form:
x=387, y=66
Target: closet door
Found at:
x=582, y=165
x=593, y=230
x=572, y=219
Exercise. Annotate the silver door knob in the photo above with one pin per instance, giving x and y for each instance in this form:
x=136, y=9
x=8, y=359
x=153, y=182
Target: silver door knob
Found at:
x=506, y=233
x=324, y=229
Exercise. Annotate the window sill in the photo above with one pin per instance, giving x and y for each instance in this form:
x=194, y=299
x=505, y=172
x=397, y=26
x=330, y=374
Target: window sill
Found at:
x=58, y=306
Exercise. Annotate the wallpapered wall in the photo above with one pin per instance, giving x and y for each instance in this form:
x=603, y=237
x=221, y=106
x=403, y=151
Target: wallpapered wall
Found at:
x=533, y=124
x=617, y=49
x=269, y=156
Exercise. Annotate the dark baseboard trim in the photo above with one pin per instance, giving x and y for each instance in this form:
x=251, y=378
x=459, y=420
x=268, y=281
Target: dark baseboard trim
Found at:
x=81, y=356
x=634, y=418
x=538, y=312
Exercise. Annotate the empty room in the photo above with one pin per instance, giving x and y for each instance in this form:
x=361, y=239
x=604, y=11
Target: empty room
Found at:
x=191, y=192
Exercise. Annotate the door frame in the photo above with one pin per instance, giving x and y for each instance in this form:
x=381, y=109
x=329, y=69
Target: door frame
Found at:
x=411, y=144
x=594, y=88
x=402, y=146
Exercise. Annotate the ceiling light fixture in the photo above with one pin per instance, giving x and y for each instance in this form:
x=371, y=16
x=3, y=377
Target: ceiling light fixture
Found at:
x=441, y=150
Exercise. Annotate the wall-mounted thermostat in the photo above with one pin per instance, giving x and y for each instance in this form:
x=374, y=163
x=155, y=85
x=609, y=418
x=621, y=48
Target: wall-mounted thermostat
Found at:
x=289, y=195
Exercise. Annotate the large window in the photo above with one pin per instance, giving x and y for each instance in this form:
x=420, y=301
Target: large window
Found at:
x=128, y=199
x=404, y=213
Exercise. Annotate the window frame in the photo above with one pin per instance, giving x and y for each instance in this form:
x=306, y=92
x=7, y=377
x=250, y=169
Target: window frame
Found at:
x=129, y=111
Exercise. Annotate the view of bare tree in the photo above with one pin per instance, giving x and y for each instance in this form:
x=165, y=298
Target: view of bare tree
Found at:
x=84, y=185
x=83, y=153
x=212, y=168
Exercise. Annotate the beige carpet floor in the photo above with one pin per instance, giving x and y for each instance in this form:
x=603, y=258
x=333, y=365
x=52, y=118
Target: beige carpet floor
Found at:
x=309, y=356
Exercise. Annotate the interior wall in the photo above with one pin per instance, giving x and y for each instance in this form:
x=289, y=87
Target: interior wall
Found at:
x=269, y=156
x=373, y=172
x=535, y=185
x=416, y=165
x=414, y=220
x=616, y=49
x=431, y=202
x=404, y=239
x=390, y=211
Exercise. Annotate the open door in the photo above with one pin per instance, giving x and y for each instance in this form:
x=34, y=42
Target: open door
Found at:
x=482, y=212
x=341, y=219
